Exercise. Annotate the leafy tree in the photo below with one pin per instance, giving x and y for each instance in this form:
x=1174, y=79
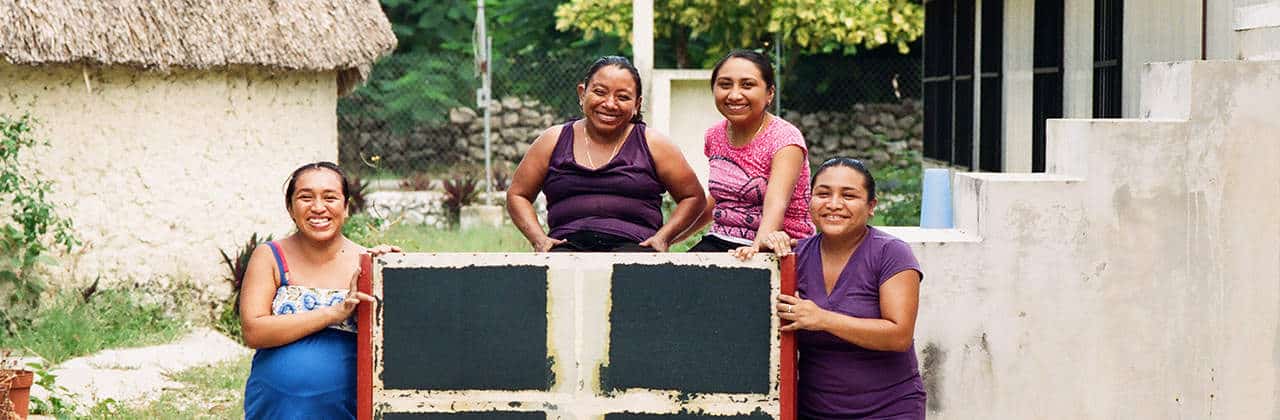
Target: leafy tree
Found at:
x=533, y=59
x=432, y=68
x=431, y=26
x=814, y=26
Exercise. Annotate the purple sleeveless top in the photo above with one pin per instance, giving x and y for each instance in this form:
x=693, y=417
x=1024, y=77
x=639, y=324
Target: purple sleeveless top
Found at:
x=622, y=197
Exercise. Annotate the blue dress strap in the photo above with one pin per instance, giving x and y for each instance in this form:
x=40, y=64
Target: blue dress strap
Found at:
x=280, y=263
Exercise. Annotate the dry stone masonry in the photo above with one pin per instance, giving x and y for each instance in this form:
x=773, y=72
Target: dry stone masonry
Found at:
x=891, y=133
x=878, y=133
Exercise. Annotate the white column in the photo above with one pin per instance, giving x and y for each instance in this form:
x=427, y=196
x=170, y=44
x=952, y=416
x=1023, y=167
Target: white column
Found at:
x=1077, y=59
x=1019, y=44
x=642, y=46
x=1156, y=31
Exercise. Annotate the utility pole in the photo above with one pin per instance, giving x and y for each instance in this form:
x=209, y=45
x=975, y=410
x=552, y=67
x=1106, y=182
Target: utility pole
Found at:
x=483, y=45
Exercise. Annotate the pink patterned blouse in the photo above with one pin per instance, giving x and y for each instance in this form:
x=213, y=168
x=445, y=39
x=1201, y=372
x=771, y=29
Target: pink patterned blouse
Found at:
x=739, y=177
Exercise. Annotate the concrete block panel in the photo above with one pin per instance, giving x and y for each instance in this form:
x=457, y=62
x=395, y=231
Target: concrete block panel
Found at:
x=508, y=303
x=573, y=336
x=666, y=334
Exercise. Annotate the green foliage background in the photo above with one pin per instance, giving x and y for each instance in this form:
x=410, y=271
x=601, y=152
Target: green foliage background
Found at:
x=541, y=47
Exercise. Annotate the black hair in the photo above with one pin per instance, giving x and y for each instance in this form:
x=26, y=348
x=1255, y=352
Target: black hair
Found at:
x=625, y=64
x=291, y=184
x=760, y=60
x=868, y=183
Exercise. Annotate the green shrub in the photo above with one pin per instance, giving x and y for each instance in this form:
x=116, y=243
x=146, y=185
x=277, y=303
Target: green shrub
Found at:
x=29, y=226
x=362, y=227
x=228, y=321
x=459, y=191
x=898, y=190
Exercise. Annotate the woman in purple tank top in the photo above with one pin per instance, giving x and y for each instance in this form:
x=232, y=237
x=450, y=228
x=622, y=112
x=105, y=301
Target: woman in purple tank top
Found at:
x=859, y=289
x=604, y=175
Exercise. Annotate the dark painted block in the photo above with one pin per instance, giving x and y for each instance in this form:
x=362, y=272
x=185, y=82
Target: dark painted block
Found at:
x=465, y=328
x=486, y=415
x=692, y=329
x=684, y=416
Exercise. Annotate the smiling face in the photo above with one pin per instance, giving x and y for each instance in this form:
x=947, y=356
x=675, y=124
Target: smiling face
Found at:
x=317, y=206
x=840, y=204
x=609, y=99
x=742, y=95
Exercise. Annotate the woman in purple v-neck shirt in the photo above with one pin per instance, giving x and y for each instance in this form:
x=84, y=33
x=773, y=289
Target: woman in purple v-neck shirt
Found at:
x=859, y=289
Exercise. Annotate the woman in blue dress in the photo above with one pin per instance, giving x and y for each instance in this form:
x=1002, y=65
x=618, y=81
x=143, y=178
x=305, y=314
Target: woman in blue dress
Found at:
x=296, y=306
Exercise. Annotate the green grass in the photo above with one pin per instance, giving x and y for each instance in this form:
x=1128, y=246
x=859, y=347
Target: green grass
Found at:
x=66, y=327
x=422, y=238
x=212, y=392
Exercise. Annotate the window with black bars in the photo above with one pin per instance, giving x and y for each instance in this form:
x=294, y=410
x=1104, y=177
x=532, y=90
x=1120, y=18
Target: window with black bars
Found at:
x=1108, y=43
x=948, y=81
x=939, y=44
x=990, y=118
x=1046, y=82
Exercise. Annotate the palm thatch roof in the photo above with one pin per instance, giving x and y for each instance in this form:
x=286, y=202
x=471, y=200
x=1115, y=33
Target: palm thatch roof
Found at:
x=314, y=35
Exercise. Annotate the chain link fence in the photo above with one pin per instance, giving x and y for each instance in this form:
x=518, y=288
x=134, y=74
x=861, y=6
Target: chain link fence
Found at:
x=395, y=126
x=868, y=107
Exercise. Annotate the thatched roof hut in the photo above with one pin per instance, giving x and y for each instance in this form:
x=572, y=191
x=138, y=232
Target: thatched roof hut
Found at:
x=342, y=35
x=171, y=123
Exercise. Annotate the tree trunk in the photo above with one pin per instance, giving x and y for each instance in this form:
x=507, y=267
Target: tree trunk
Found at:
x=681, y=35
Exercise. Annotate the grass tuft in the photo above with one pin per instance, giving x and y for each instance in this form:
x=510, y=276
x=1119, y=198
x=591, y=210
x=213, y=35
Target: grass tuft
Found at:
x=67, y=327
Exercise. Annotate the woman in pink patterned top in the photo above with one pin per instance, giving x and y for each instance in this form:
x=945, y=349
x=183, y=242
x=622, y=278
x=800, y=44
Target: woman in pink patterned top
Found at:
x=756, y=161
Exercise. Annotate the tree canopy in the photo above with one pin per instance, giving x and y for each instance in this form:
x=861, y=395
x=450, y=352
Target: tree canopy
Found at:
x=811, y=26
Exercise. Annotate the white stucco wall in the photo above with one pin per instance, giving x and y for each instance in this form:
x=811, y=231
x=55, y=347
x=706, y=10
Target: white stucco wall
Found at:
x=683, y=108
x=1139, y=278
x=160, y=171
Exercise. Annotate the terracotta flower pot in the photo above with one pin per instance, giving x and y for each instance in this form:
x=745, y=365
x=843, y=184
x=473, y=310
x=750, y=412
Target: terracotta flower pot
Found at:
x=20, y=391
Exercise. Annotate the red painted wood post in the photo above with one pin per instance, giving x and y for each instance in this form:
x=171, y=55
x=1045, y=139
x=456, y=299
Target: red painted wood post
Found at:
x=364, y=343
x=787, y=384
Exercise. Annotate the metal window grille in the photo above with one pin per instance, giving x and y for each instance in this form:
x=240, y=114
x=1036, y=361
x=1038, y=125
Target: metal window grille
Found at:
x=991, y=140
x=949, y=45
x=1108, y=43
x=939, y=47
x=1046, y=75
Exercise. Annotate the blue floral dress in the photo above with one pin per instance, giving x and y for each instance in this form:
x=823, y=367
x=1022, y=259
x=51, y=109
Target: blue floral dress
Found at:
x=313, y=377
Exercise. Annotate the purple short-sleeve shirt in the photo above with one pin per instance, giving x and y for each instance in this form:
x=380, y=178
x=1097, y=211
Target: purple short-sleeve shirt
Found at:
x=837, y=378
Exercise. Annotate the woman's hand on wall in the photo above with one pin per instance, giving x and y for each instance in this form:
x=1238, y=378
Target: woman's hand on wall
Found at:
x=354, y=296
x=778, y=241
x=803, y=313
x=545, y=244
x=383, y=249
x=657, y=243
x=745, y=252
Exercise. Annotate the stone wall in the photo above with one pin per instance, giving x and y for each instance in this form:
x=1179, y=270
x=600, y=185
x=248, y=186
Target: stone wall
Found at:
x=874, y=133
x=514, y=124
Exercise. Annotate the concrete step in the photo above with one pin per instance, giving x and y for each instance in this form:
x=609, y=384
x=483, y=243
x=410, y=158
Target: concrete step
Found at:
x=1095, y=148
x=987, y=203
x=1201, y=90
x=1258, y=30
x=1259, y=44
x=1166, y=91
